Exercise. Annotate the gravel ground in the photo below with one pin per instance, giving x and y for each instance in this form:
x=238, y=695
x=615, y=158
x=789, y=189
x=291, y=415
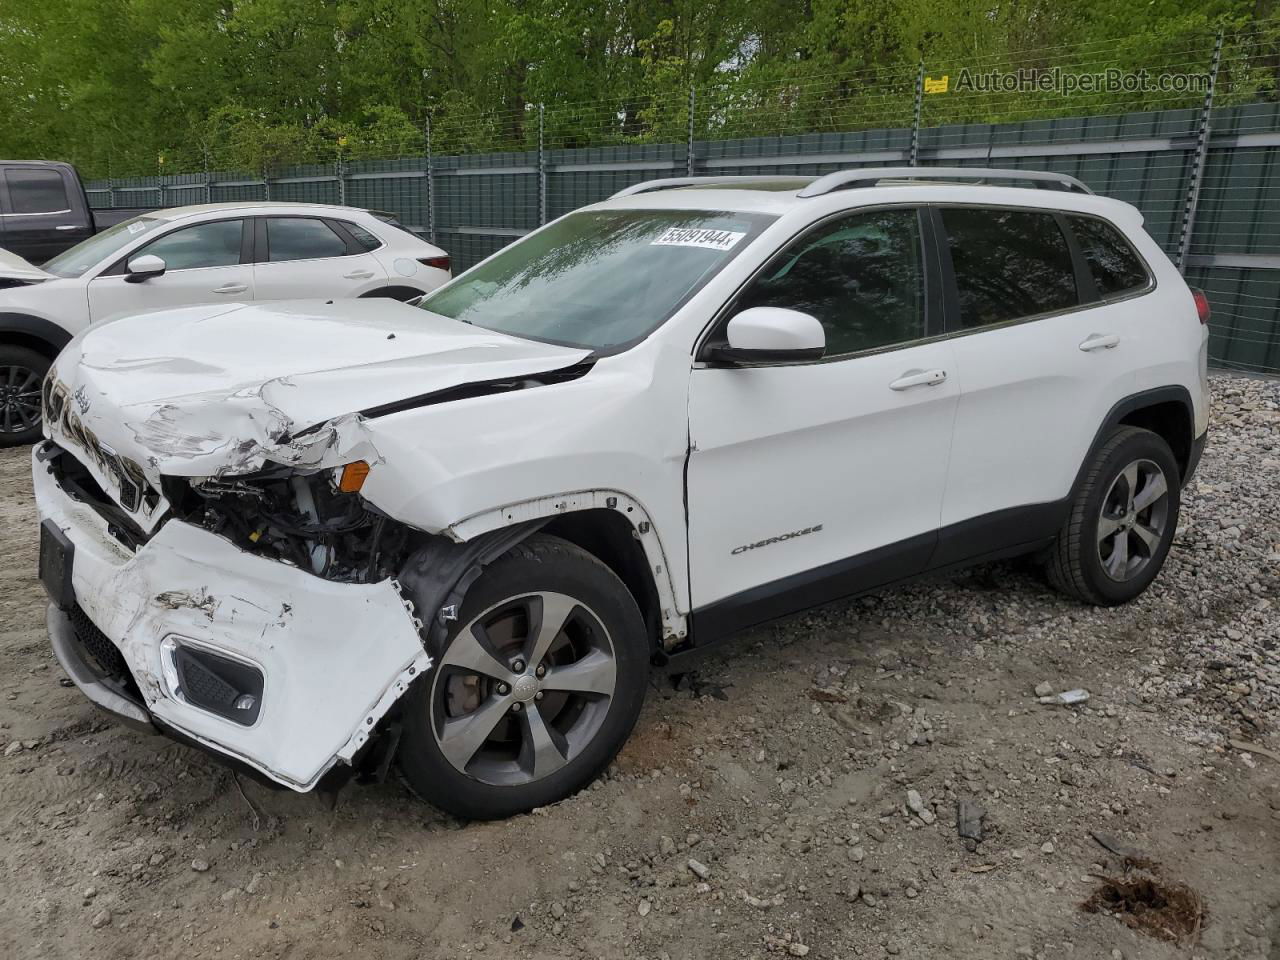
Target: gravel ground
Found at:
x=796, y=797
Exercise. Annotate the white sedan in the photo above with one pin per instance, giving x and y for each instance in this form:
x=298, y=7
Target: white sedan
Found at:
x=210, y=253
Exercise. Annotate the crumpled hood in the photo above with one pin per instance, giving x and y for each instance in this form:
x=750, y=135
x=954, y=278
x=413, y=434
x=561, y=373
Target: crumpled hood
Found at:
x=221, y=389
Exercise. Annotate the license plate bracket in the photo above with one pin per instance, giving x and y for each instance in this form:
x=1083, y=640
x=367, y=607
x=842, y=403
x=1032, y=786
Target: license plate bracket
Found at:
x=57, y=554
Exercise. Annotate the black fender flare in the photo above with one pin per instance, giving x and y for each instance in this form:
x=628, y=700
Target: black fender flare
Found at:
x=435, y=578
x=1131, y=404
x=37, y=327
x=395, y=291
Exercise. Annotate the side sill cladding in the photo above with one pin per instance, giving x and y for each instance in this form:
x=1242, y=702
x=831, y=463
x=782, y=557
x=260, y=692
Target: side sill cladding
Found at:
x=675, y=625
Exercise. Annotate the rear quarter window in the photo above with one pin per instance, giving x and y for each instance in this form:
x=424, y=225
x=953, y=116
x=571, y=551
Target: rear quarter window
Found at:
x=362, y=237
x=1115, y=265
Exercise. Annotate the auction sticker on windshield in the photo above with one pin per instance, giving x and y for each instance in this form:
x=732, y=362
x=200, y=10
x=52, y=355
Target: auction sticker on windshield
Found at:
x=694, y=237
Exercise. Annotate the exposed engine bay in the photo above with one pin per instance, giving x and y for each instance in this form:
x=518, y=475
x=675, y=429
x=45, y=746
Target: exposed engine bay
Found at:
x=297, y=517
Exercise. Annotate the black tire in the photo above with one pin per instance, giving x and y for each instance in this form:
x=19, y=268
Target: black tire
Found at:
x=542, y=565
x=1076, y=564
x=29, y=367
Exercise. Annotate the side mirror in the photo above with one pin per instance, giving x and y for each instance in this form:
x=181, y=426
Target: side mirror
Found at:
x=144, y=268
x=772, y=335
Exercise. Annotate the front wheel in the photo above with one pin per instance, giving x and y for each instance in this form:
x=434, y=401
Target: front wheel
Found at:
x=539, y=685
x=22, y=372
x=1122, y=520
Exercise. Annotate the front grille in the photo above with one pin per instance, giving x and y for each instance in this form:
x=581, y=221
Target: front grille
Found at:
x=127, y=474
x=104, y=653
x=74, y=478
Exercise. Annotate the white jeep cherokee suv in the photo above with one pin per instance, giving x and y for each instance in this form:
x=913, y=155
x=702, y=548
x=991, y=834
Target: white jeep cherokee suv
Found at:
x=316, y=538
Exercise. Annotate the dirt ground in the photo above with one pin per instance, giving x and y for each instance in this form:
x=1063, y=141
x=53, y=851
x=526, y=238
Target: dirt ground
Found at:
x=782, y=770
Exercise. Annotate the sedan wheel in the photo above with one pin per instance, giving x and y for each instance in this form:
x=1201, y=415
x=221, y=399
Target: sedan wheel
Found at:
x=21, y=376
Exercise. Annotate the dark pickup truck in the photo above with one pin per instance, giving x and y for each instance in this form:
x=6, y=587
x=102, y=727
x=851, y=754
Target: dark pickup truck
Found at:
x=44, y=209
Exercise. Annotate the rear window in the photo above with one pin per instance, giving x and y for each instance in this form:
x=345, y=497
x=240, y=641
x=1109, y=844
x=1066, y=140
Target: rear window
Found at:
x=1116, y=268
x=36, y=191
x=1008, y=264
x=301, y=238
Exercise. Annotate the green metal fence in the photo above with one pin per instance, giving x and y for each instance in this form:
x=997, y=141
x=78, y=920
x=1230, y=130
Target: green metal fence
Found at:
x=1206, y=177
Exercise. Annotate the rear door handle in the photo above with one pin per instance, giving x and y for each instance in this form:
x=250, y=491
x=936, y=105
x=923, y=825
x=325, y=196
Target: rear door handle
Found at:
x=1099, y=341
x=358, y=275
x=919, y=378
x=231, y=288
x=67, y=226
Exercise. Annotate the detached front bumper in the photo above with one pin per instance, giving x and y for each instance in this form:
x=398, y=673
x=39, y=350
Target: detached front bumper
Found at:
x=332, y=657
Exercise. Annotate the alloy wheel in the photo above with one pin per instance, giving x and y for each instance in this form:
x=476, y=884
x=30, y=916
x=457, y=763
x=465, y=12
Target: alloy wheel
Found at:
x=19, y=399
x=1133, y=520
x=523, y=689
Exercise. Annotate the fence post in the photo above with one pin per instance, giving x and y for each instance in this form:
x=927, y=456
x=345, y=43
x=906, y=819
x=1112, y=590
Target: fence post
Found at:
x=208, y=176
x=431, y=187
x=913, y=155
x=340, y=169
x=266, y=183
x=689, y=160
x=542, y=165
x=1198, y=161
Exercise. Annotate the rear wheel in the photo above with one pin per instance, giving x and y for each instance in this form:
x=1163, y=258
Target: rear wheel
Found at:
x=1122, y=521
x=538, y=687
x=22, y=372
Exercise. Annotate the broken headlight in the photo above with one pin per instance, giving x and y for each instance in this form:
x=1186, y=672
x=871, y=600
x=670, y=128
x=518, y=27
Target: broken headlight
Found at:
x=315, y=520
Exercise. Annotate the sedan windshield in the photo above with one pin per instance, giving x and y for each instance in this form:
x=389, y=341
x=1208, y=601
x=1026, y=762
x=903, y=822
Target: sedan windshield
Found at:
x=599, y=279
x=89, y=253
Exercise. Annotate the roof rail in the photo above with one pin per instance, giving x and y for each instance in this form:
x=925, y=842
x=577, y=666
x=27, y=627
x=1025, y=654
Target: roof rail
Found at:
x=871, y=176
x=670, y=183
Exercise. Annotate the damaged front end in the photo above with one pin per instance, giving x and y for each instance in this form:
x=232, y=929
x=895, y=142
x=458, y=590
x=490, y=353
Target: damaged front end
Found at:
x=247, y=625
x=259, y=616
x=315, y=520
x=216, y=569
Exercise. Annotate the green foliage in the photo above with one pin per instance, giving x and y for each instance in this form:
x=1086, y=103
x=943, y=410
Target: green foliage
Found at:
x=116, y=85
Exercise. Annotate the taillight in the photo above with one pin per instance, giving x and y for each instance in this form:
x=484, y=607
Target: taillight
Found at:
x=1202, y=304
x=440, y=263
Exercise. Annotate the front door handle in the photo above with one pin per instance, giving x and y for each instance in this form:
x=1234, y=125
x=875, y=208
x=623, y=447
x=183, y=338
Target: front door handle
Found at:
x=919, y=378
x=1099, y=341
x=231, y=288
x=358, y=275
x=66, y=226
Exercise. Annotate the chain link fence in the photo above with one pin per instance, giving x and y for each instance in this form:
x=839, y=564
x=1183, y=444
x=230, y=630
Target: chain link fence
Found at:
x=1185, y=128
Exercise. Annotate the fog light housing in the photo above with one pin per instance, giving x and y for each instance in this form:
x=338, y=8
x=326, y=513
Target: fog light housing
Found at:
x=221, y=684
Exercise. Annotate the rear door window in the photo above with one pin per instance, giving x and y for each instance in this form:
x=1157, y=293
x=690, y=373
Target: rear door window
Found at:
x=36, y=191
x=1008, y=264
x=1116, y=267
x=301, y=238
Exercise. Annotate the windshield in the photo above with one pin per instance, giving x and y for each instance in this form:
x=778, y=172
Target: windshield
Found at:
x=598, y=279
x=88, y=253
